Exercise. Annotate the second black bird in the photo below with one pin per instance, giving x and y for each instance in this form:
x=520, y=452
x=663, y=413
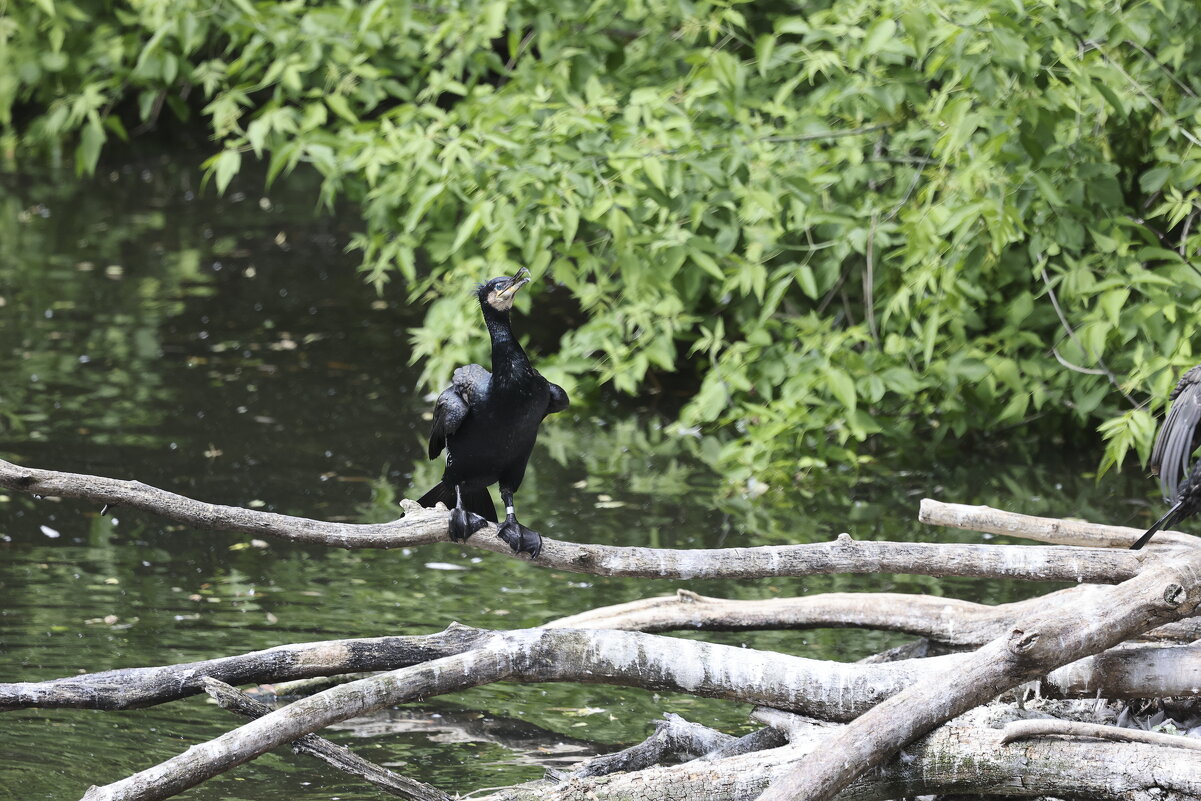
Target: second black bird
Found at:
x=1172, y=454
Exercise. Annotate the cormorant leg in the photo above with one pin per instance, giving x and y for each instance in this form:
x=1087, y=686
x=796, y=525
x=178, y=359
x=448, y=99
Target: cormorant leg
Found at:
x=518, y=537
x=462, y=522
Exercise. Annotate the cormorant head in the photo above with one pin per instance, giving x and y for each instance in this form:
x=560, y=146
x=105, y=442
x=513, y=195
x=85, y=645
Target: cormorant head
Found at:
x=499, y=293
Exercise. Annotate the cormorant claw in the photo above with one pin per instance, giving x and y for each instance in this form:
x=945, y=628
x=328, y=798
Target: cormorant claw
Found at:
x=520, y=538
x=464, y=523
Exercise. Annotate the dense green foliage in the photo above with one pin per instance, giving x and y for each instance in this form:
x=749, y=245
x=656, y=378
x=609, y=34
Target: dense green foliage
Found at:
x=855, y=219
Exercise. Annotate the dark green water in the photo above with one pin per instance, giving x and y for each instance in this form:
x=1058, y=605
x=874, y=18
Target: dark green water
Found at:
x=225, y=349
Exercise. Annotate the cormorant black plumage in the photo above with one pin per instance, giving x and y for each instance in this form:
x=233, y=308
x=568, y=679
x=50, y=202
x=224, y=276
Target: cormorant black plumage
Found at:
x=488, y=422
x=1172, y=454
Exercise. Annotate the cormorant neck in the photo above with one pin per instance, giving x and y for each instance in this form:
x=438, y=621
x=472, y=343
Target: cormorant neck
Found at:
x=507, y=356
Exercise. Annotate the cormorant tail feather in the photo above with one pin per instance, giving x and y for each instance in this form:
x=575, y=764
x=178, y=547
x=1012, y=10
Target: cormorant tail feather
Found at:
x=1170, y=519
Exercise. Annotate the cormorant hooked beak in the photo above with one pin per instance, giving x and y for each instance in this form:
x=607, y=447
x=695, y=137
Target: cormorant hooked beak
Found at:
x=515, y=283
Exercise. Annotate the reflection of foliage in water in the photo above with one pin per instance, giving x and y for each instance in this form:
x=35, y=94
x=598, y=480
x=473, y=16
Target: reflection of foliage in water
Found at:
x=84, y=319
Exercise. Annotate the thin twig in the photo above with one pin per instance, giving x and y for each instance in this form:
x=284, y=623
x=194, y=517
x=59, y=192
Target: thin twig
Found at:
x=1142, y=91
x=1025, y=729
x=827, y=134
x=1188, y=223
x=1183, y=87
x=1075, y=367
x=810, y=137
x=1113, y=379
x=869, y=281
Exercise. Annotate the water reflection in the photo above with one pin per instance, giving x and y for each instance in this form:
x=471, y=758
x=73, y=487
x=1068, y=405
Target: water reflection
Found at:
x=227, y=350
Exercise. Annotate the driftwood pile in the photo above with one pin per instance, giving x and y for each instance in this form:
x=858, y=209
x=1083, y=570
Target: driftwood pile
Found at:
x=1011, y=705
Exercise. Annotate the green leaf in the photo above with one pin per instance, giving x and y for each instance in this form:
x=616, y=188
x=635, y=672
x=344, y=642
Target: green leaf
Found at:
x=841, y=386
x=467, y=229
x=225, y=167
x=706, y=263
x=339, y=105
x=654, y=171
x=879, y=34
x=91, y=139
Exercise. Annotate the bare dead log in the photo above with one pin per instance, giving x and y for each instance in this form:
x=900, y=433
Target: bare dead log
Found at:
x=1168, y=591
x=422, y=526
x=332, y=754
x=1050, y=727
x=964, y=756
x=828, y=690
x=675, y=740
x=945, y=620
x=1044, y=529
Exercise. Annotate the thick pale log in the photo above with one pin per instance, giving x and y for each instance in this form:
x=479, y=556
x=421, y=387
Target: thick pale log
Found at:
x=337, y=756
x=825, y=690
x=1168, y=591
x=424, y=526
x=944, y=620
x=1044, y=529
x=829, y=690
x=965, y=756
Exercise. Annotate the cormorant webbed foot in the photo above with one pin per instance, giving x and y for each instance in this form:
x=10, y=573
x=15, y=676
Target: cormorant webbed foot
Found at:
x=462, y=522
x=520, y=538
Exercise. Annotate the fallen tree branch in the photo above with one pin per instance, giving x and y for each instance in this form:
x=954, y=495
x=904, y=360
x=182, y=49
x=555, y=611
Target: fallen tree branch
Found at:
x=945, y=620
x=964, y=756
x=132, y=688
x=1044, y=529
x=332, y=754
x=1167, y=591
x=675, y=740
x=422, y=526
x=829, y=690
x=1050, y=727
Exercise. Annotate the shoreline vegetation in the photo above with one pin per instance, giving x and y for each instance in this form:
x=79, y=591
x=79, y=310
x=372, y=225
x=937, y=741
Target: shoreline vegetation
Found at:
x=851, y=228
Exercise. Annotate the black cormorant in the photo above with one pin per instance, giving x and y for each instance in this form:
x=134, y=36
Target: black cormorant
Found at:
x=488, y=423
x=1172, y=454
